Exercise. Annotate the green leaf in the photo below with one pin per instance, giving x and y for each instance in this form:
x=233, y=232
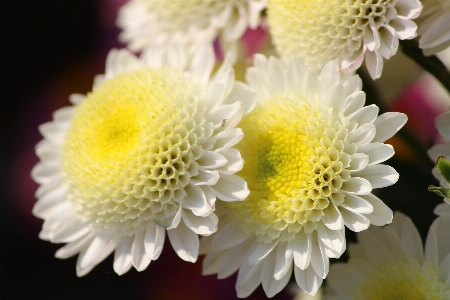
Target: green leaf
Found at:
x=443, y=192
x=443, y=166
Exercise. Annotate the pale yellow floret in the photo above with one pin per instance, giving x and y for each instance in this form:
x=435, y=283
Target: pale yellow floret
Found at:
x=294, y=166
x=132, y=146
x=402, y=280
x=321, y=31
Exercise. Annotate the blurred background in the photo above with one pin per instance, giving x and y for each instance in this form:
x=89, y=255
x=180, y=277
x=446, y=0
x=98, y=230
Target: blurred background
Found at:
x=52, y=48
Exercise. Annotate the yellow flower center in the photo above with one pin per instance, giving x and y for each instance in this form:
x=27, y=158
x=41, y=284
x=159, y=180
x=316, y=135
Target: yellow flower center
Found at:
x=320, y=31
x=132, y=146
x=294, y=164
x=402, y=280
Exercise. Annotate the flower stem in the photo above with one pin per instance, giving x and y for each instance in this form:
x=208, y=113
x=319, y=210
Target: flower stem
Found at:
x=432, y=64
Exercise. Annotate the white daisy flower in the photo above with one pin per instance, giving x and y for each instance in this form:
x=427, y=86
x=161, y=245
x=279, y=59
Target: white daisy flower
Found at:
x=390, y=263
x=442, y=149
x=434, y=26
x=346, y=31
x=148, y=150
x=312, y=155
x=154, y=22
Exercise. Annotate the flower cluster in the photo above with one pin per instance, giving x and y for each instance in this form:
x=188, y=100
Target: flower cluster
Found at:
x=263, y=177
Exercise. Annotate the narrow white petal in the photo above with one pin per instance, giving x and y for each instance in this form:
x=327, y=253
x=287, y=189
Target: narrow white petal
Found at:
x=354, y=102
x=139, y=258
x=50, y=202
x=53, y=132
x=284, y=259
x=379, y=176
x=218, y=114
x=357, y=204
x=122, y=256
x=212, y=160
x=329, y=76
x=231, y=188
x=185, y=242
x=195, y=200
x=367, y=114
x=46, y=171
x=377, y=152
x=442, y=123
x=228, y=236
x=333, y=239
x=302, y=250
x=357, y=186
x=205, y=177
x=176, y=219
x=70, y=230
x=381, y=214
x=212, y=261
x=107, y=250
x=246, y=287
x=335, y=97
x=260, y=252
x=388, y=124
x=308, y=280
x=271, y=285
x=358, y=162
x=232, y=260
x=75, y=247
x=319, y=260
x=97, y=246
x=201, y=225
x=332, y=218
x=234, y=161
x=363, y=135
x=228, y=138
x=354, y=221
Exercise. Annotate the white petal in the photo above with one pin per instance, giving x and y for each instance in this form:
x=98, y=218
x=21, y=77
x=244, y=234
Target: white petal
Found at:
x=308, y=280
x=205, y=177
x=228, y=138
x=358, y=162
x=377, y=152
x=185, y=242
x=234, y=161
x=319, y=260
x=357, y=186
x=271, y=285
x=47, y=151
x=333, y=239
x=404, y=28
x=228, y=236
x=201, y=225
x=354, y=102
x=231, y=188
x=332, y=218
x=76, y=99
x=437, y=245
x=245, y=287
x=109, y=248
x=45, y=172
x=363, y=135
x=284, y=259
x=50, y=202
x=70, y=230
x=223, y=113
x=75, y=247
x=335, y=97
x=379, y=176
x=139, y=259
x=354, y=221
x=374, y=63
x=409, y=236
x=302, y=250
x=381, y=214
x=311, y=86
x=212, y=160
x=442, y=123
x=176, y=219
x=260, y=252
x=439, y=150
x=53, y=132
x=195, y=200
x=388, y=124
x=357, y=204
x=232, y=260
x=367, y=114
x=95, y=248
x=329, y=76
x=122, y=256
x=212, y=261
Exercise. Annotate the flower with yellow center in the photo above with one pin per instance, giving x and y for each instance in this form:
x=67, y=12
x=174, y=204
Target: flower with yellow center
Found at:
x=155, y=22
x=434, y=26
x=312, y=156
x=346, y=31
x=390, y=263
x=147, y=151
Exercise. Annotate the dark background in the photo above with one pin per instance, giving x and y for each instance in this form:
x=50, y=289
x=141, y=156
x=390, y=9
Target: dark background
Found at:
x=50, y=49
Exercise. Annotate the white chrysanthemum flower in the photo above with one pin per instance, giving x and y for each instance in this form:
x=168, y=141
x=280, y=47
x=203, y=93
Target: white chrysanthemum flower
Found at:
x=390, y=263
x=434, y=26
x=346, y=31
x=312, y=156
x=148, y=150
x=442, y=149
x=154, y=22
